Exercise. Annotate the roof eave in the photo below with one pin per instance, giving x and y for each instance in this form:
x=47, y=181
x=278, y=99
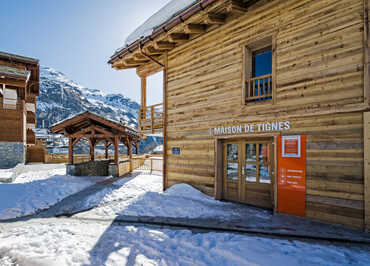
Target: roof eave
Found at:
x=180, y=18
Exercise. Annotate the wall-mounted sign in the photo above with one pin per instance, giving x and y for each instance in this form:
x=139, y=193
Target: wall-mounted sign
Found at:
x=251, y=128
x=176, y=150
x=292, y=175
x=291, y=146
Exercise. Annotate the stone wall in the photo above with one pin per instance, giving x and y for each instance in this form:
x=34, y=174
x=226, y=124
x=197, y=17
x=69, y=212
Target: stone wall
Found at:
x=11, y=154
x=92, y=168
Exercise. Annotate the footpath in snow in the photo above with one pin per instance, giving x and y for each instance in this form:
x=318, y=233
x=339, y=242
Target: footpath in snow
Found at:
x=38, y=187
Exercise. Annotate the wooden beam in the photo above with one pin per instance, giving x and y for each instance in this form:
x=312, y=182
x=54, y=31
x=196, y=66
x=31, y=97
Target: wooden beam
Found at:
x=103, y=130
x=163, y=45
x=139, y=56
x=70, y=151
x=132, y=61
x=178, y=37
x=195, y=28
x=150, y=50
x=122, y=66
x=215, y=19
x=236, y=8
x=15, y=83
x=75, y=141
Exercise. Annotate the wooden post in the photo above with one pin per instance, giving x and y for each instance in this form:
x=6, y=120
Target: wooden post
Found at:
x=151, y=165
x=367, y=170
x=70, y=150
x=165, y=122
x=142, y=112
x=129, y=153
x=92, y=149
x=116, y=152
x=143, y=92
x=106, y=150
x=152, y=117
x=137, y=148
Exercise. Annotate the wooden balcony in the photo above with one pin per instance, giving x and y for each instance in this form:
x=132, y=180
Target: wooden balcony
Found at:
x=151, y=120
x=259, y=89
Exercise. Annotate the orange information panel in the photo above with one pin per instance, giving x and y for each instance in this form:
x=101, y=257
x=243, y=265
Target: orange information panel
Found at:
x=291, y=194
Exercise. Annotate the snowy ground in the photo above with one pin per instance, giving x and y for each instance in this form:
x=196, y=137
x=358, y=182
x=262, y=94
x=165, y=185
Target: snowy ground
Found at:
x=96, y=237
x=142, y=195
x=38, y=187
x=72, y=242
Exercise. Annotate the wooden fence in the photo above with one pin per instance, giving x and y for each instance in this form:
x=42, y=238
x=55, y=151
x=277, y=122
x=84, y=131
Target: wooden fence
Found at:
x=77, y=158
x=141, y=163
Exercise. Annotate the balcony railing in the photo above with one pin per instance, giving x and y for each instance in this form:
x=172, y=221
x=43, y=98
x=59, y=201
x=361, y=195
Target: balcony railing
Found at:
x=151, y=119
x=259, y=89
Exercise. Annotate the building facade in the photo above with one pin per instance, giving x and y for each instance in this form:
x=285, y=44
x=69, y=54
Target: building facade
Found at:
x=265, y=103
x=19, y=87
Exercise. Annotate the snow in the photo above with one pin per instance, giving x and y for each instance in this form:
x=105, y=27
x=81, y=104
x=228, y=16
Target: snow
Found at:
x=95, y=238
x=73, y=242
x=170, y=10
x=6, y=174
x=142, y=195
x=39, y=187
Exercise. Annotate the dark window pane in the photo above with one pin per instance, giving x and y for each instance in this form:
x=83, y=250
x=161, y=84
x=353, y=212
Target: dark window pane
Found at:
x=251, y=152
x=232, y=171
x=262, y=62
x=232, y=152
x=251, y=175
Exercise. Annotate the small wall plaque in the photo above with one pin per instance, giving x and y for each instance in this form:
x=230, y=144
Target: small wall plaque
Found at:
x=176, y=150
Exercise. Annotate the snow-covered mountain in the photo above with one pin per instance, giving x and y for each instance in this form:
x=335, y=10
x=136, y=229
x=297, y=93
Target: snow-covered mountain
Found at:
x=61, y=97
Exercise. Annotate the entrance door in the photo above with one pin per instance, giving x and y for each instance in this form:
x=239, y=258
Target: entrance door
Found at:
x=249, y=172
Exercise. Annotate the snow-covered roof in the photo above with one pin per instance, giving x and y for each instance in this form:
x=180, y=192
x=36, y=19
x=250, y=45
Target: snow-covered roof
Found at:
x=169, y=11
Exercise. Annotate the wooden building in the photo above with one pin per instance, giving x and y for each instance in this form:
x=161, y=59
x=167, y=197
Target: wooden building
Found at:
x=19, y=87
x=265, y=102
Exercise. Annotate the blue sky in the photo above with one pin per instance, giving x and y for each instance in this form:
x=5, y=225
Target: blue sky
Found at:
x=77, y=37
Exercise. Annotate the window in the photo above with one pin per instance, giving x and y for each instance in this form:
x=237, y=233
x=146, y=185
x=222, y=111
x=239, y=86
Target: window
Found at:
x=258, y=81
x=258, y=162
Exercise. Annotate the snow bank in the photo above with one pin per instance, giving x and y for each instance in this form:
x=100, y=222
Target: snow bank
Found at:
x=142, y=196
x=37, y=190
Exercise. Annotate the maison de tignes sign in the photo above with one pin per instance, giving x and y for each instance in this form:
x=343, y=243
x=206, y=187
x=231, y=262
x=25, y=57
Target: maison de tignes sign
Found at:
x=251, y=128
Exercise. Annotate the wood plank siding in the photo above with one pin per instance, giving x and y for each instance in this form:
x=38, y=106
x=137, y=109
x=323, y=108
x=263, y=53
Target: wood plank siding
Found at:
x=11, y=123
x=319, y=87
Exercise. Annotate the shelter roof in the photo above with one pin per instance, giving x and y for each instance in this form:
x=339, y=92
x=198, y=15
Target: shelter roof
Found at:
x=87, y=122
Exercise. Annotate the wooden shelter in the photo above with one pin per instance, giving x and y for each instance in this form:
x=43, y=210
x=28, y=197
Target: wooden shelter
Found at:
x=264, y=102
x=96, y=129
x=19, y=87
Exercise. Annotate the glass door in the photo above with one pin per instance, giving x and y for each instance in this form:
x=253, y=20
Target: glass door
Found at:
x=232, y=171
x=257, y=173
